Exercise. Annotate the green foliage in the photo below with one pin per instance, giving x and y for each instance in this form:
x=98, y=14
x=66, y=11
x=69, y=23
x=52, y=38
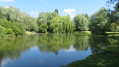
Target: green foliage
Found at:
x=111, y=34
x=33, y=27
x=52, y=22
x=99, y=22
x=82, y=32
x=14, y=15
x=43, y=28
x=114, y=19
x=8, y=25
x=56, y=11
x=81, y=23
x=13, y=28
x=18, y=28
x=2, y=31
x=88, y=18
x=62, y=25
x=114, y=27
x=10, y=32
x=56, y=25
x=44, y=20
x=112, y=1
x=68, y=25
x=114, y=16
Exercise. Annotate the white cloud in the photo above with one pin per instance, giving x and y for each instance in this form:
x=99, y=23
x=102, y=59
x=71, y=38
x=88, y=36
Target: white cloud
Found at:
x=7, y=7
x=71, y=49
x=7, y=0
x=34, y=13
x=4, y=62
x=70, y=12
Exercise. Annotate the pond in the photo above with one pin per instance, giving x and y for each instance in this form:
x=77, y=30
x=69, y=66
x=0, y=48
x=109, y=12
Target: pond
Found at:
x=49, y=50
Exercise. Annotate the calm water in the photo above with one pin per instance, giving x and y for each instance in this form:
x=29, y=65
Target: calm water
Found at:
x=50, y=50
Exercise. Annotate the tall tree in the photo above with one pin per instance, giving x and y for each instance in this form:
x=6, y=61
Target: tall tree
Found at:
x=99, y=21
x=114, y=19
x=81, y=22
x=56, y=10
x=62, y=25
x=88, y=18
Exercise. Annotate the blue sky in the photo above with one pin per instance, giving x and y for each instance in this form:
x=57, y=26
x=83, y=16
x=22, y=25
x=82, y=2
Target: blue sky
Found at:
x=65, y=7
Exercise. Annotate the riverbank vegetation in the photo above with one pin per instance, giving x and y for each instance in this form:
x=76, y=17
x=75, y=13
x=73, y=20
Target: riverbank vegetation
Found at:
x=13, y=22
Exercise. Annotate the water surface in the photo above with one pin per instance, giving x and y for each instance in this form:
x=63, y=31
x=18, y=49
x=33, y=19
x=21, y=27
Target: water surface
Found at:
x=49, y=50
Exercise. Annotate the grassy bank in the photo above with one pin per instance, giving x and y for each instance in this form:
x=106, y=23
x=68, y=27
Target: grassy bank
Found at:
x=82, y=32
x=108, y=58
x=12, y=36
x=30, y=33
x=112, y=33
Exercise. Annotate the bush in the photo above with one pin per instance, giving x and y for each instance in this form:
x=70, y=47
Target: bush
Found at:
x=13, y=28
x=114, y=27
x=33, y=27
x=10, y=32
x=2, y=31
x=18, y=28
x=43, y=28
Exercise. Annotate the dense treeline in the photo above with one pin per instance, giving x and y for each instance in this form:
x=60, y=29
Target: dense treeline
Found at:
x=15, y=23
x=53, y=23
x=105, y=20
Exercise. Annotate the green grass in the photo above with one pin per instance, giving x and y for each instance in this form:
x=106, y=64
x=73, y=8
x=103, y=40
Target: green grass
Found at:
x=108, y=58
x=112, y=33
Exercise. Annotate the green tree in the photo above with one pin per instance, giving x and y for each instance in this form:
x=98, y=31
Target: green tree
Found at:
x=88, y=18
x=2, y=31
x=18, y=28
x=56, y=10
x=43, y=28
x=62, y=25
x=81, y=23
x=42, y=22
x=56, y=25
x=33, y=27
x=13, y=28
x=45, y=19
x=114, y=27
x=99, y=22
x=68, y=25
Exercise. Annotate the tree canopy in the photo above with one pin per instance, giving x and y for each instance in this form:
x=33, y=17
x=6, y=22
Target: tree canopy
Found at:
x=14, y=22
x=99, y=21
x=81, y=23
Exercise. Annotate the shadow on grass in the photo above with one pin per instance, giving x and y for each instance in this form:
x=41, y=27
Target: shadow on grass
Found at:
x=108, y=58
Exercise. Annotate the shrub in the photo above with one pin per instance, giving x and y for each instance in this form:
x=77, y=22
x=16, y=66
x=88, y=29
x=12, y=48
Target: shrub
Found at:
x=33, y=27
x=18, y=28
x=114, y=27
x=2, y=31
